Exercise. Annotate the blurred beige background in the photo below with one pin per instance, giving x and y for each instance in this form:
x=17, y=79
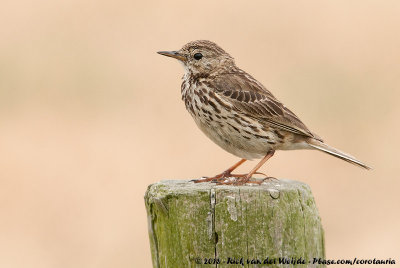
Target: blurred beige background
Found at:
x=90, y=115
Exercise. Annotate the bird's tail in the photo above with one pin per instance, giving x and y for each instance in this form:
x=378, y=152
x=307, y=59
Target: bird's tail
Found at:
x=332, y=151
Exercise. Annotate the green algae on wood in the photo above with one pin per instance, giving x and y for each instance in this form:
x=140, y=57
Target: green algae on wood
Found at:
x=204, y=225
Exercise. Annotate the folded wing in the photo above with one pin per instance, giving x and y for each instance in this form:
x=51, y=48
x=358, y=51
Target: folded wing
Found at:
x=254, y=100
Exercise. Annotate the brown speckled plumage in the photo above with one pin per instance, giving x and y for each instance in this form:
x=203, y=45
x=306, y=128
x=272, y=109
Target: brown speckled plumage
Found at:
x=237, y=112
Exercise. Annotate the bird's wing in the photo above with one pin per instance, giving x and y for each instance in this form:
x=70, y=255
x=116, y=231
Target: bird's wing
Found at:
x=252, y=99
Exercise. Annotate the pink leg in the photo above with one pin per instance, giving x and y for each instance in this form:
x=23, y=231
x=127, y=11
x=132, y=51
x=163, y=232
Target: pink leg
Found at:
x=246, y=179
x=223, y=175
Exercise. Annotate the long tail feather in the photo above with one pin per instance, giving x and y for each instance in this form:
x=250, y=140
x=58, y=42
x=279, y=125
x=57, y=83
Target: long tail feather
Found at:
x=332, y=151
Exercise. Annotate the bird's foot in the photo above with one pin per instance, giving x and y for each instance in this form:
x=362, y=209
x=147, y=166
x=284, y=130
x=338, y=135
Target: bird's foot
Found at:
x=226, y=178
x=222, y=177
x=217, y=178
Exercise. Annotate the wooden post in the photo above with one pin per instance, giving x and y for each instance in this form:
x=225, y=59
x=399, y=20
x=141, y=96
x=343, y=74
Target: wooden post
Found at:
x=204, y=225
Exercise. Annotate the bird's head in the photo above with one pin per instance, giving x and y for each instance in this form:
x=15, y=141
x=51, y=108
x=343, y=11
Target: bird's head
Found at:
x=202, y=57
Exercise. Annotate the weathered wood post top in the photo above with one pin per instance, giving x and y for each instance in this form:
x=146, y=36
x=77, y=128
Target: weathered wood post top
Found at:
x=207, y=225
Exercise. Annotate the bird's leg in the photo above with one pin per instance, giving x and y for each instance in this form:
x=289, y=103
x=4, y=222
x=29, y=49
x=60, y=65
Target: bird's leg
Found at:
x=254, y=170
x=223, y=175
x=247, y=177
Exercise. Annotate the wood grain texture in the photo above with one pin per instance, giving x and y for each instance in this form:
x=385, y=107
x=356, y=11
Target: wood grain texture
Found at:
x=190, y=223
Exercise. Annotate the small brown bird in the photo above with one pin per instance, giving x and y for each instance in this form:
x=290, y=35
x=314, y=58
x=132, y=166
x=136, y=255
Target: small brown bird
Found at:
x=238, y=113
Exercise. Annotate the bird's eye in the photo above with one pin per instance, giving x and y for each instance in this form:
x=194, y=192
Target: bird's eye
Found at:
x=197, y=56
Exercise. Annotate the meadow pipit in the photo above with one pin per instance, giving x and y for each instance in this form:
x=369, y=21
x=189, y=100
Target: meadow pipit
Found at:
x=238, y=113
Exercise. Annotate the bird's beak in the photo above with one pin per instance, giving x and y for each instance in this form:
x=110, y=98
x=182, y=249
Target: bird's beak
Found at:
x=173, y=54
